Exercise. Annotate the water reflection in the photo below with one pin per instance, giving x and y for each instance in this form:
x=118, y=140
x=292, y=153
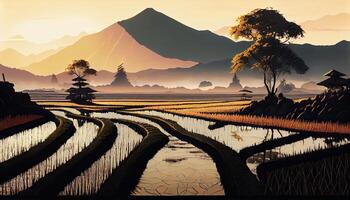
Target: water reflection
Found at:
x=299, y=147
x=90, y=180
x=20, y=142
x=81, y=138
x=235, y=137
x=177, y=169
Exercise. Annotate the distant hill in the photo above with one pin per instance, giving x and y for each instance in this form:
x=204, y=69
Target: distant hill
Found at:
x=106, y=50
x=320, y=59
x=23, y=79
x=338, y=22
x=11, y=57
x=173, y=39
x=20, y=44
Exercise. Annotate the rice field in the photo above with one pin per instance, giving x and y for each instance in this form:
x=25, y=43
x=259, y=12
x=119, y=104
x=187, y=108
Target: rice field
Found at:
x=83, y=137
x=18, y=143
x=302, y=146
x=175, y=169
x=235, y=137
x=182, y=167
x=89, y=182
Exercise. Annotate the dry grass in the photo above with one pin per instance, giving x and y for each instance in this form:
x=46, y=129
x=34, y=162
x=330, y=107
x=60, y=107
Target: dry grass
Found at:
x=213, y=109
x=12, y=121
x=151, y=103
x=297, y=125
x=203, y=105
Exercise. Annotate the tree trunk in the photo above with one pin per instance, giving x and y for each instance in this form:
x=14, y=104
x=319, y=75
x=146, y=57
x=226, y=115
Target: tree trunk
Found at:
x=265, y=83
x=274, y=89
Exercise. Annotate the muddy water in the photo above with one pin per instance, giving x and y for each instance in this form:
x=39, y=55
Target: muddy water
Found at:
x=20, y=142
x=235, y=137
x=90, y=181
x=177, y=169
x=84, y=135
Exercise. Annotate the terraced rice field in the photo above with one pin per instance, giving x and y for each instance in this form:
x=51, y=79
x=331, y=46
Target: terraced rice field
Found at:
x=16, y=144
x=83, y=136
x=191, y=162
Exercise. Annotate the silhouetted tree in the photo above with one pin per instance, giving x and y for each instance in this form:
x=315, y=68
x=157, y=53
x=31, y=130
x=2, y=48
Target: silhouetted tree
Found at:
x=121, y=79
x=80, y=93
x=269, y=53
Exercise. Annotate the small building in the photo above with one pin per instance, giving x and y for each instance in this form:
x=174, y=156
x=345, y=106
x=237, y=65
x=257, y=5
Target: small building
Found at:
x=335, y=80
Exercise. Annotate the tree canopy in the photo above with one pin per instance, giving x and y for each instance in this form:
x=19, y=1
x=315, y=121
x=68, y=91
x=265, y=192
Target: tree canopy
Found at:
x=267, y=28
x=80, y=68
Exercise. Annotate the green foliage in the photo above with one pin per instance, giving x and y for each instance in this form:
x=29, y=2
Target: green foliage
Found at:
x=267, y=27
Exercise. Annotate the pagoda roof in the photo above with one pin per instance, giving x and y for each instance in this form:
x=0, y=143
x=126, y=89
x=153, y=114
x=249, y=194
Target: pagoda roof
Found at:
x=80, y=83
x=334, y=73
x=79, y=79
x=244, y=90
x=334, y=82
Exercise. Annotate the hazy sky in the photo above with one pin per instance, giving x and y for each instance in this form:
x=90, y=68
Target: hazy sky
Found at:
x=43, y=20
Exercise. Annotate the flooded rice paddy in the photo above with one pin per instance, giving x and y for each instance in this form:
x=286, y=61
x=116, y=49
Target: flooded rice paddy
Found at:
x=84, y=135
x=177, y=169
x=20, y=142
x=235, y=137
x=90, y=180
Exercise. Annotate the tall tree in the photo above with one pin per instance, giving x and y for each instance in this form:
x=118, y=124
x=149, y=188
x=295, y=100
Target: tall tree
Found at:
x=80, y=92
x=269, y=53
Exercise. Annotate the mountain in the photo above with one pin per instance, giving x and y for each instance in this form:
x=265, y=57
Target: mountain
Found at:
x=23, y=79
x=106, y=50
x=338, y=22
x=320, y=59
x=11, y=57
x=20, y=44
x=329, y=29
x=173, y=39
x=224, y=31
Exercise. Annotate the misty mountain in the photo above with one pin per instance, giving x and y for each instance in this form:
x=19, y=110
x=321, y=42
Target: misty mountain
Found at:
x=173, y=39
x=20, y=44
x=23, y=79
x=320, y=59
x=106, y=50
x=13, y=58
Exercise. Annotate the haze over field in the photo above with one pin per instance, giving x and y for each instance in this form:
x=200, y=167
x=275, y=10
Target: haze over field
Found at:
x=169, y=46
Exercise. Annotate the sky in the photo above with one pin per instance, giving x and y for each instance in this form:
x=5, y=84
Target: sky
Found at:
x=44, y=20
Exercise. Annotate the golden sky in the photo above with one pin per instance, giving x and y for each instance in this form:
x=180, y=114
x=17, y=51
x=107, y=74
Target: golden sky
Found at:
x=43, y=20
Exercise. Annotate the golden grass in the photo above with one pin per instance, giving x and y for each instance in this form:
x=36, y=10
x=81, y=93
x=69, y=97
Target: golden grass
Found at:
x=12, y=121
x=213, y=109
x=297, y=125
x=232, y=104
x=150, y=103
